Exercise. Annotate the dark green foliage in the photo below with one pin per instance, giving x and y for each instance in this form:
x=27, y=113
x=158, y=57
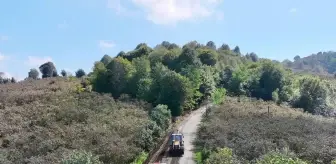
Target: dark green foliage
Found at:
x=208, y=57
x=146, y=73
x=80, y=73
x=118, y=75
x=121, y=54
x=176, y=92
x=141, y=50
x=254, y=57
x=313, y=94
x=168, y=45
x=64, y=73
x=106, y=59
x=48, y=70
x=192, y=45
x=211, y=45
x=33, y=73
x=237, y=50
x=188, y=56
x=296, y=58
x=224, y=47
x=13, y=80
x=161, y=116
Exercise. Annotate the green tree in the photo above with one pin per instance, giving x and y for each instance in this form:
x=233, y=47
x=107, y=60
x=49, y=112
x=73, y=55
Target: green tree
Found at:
x=48, y=70
x=13, y=80
x=106, y=59
x=237, y=50
x=225, y=47
x=161, y=115
x=313, y=94
x=118, y=75
x=254, y=57
x=99, y=78
x=272, y=77
x=208, y=57
x=142, y=70
x=188, y=57
x=176, y=92
x=80, y=73
x=64, y=73
x=297, y=57
x=211, y=45
x=33, y=73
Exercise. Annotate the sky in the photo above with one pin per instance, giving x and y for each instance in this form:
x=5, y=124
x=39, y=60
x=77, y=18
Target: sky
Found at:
x=75, y=33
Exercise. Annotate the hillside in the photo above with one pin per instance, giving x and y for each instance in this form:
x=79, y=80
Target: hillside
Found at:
x=47, y=120
x=322, y=63
x=123, y=106
x=255, y=135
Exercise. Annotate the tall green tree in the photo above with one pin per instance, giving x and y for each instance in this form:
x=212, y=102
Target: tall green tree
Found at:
x=48, y=69
x=106, y=59
x=119, y=73
x=80, y=73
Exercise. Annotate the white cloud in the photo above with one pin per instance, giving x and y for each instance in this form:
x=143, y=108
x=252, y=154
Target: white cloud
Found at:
x=167, y=12
x=116, y=5
x=35, y=61
x=293, y=10
x=3, y=38
x=106, y=44
x=5, y=75
x=2, y=57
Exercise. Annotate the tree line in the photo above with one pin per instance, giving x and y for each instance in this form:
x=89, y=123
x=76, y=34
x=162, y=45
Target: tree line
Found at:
x=184, y=77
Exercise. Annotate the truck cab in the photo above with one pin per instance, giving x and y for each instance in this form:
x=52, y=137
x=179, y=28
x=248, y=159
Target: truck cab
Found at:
x=176, y=144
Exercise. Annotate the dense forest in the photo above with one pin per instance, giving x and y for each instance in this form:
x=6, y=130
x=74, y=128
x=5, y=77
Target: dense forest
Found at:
x=322, y=63
x=141, y=90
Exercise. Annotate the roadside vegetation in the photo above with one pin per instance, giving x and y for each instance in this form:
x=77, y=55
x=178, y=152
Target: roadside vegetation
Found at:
x=119, y=110
x=245, y=132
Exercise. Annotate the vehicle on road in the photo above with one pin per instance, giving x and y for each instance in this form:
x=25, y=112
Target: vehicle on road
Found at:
x=176, y=144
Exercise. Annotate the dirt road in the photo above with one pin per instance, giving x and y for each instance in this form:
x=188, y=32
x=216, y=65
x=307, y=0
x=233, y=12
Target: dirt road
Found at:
x=188, y=127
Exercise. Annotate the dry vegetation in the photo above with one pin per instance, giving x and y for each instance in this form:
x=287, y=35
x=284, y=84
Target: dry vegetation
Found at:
x=248, y=129
x=43, y=121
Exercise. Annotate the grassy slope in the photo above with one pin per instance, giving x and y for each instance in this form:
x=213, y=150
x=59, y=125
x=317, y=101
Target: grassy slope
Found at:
x=43, y=121
x=247, y=128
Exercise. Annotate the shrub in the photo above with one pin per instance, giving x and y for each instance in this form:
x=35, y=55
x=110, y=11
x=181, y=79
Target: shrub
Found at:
x=278, y=158
x=141, y=158
x=218, y=96
x=81, y=157
x=221, y=156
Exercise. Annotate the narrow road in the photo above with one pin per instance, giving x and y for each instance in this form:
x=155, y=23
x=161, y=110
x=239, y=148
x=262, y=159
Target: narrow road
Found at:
x=189, y=128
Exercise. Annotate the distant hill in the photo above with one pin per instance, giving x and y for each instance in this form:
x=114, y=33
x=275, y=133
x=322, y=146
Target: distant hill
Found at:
x=322, y=63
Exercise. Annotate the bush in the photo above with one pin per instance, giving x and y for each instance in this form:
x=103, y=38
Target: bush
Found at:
x=141, y=158
x=81, y=157
x=278, y=158
x=218, y=96
x=221, y=156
